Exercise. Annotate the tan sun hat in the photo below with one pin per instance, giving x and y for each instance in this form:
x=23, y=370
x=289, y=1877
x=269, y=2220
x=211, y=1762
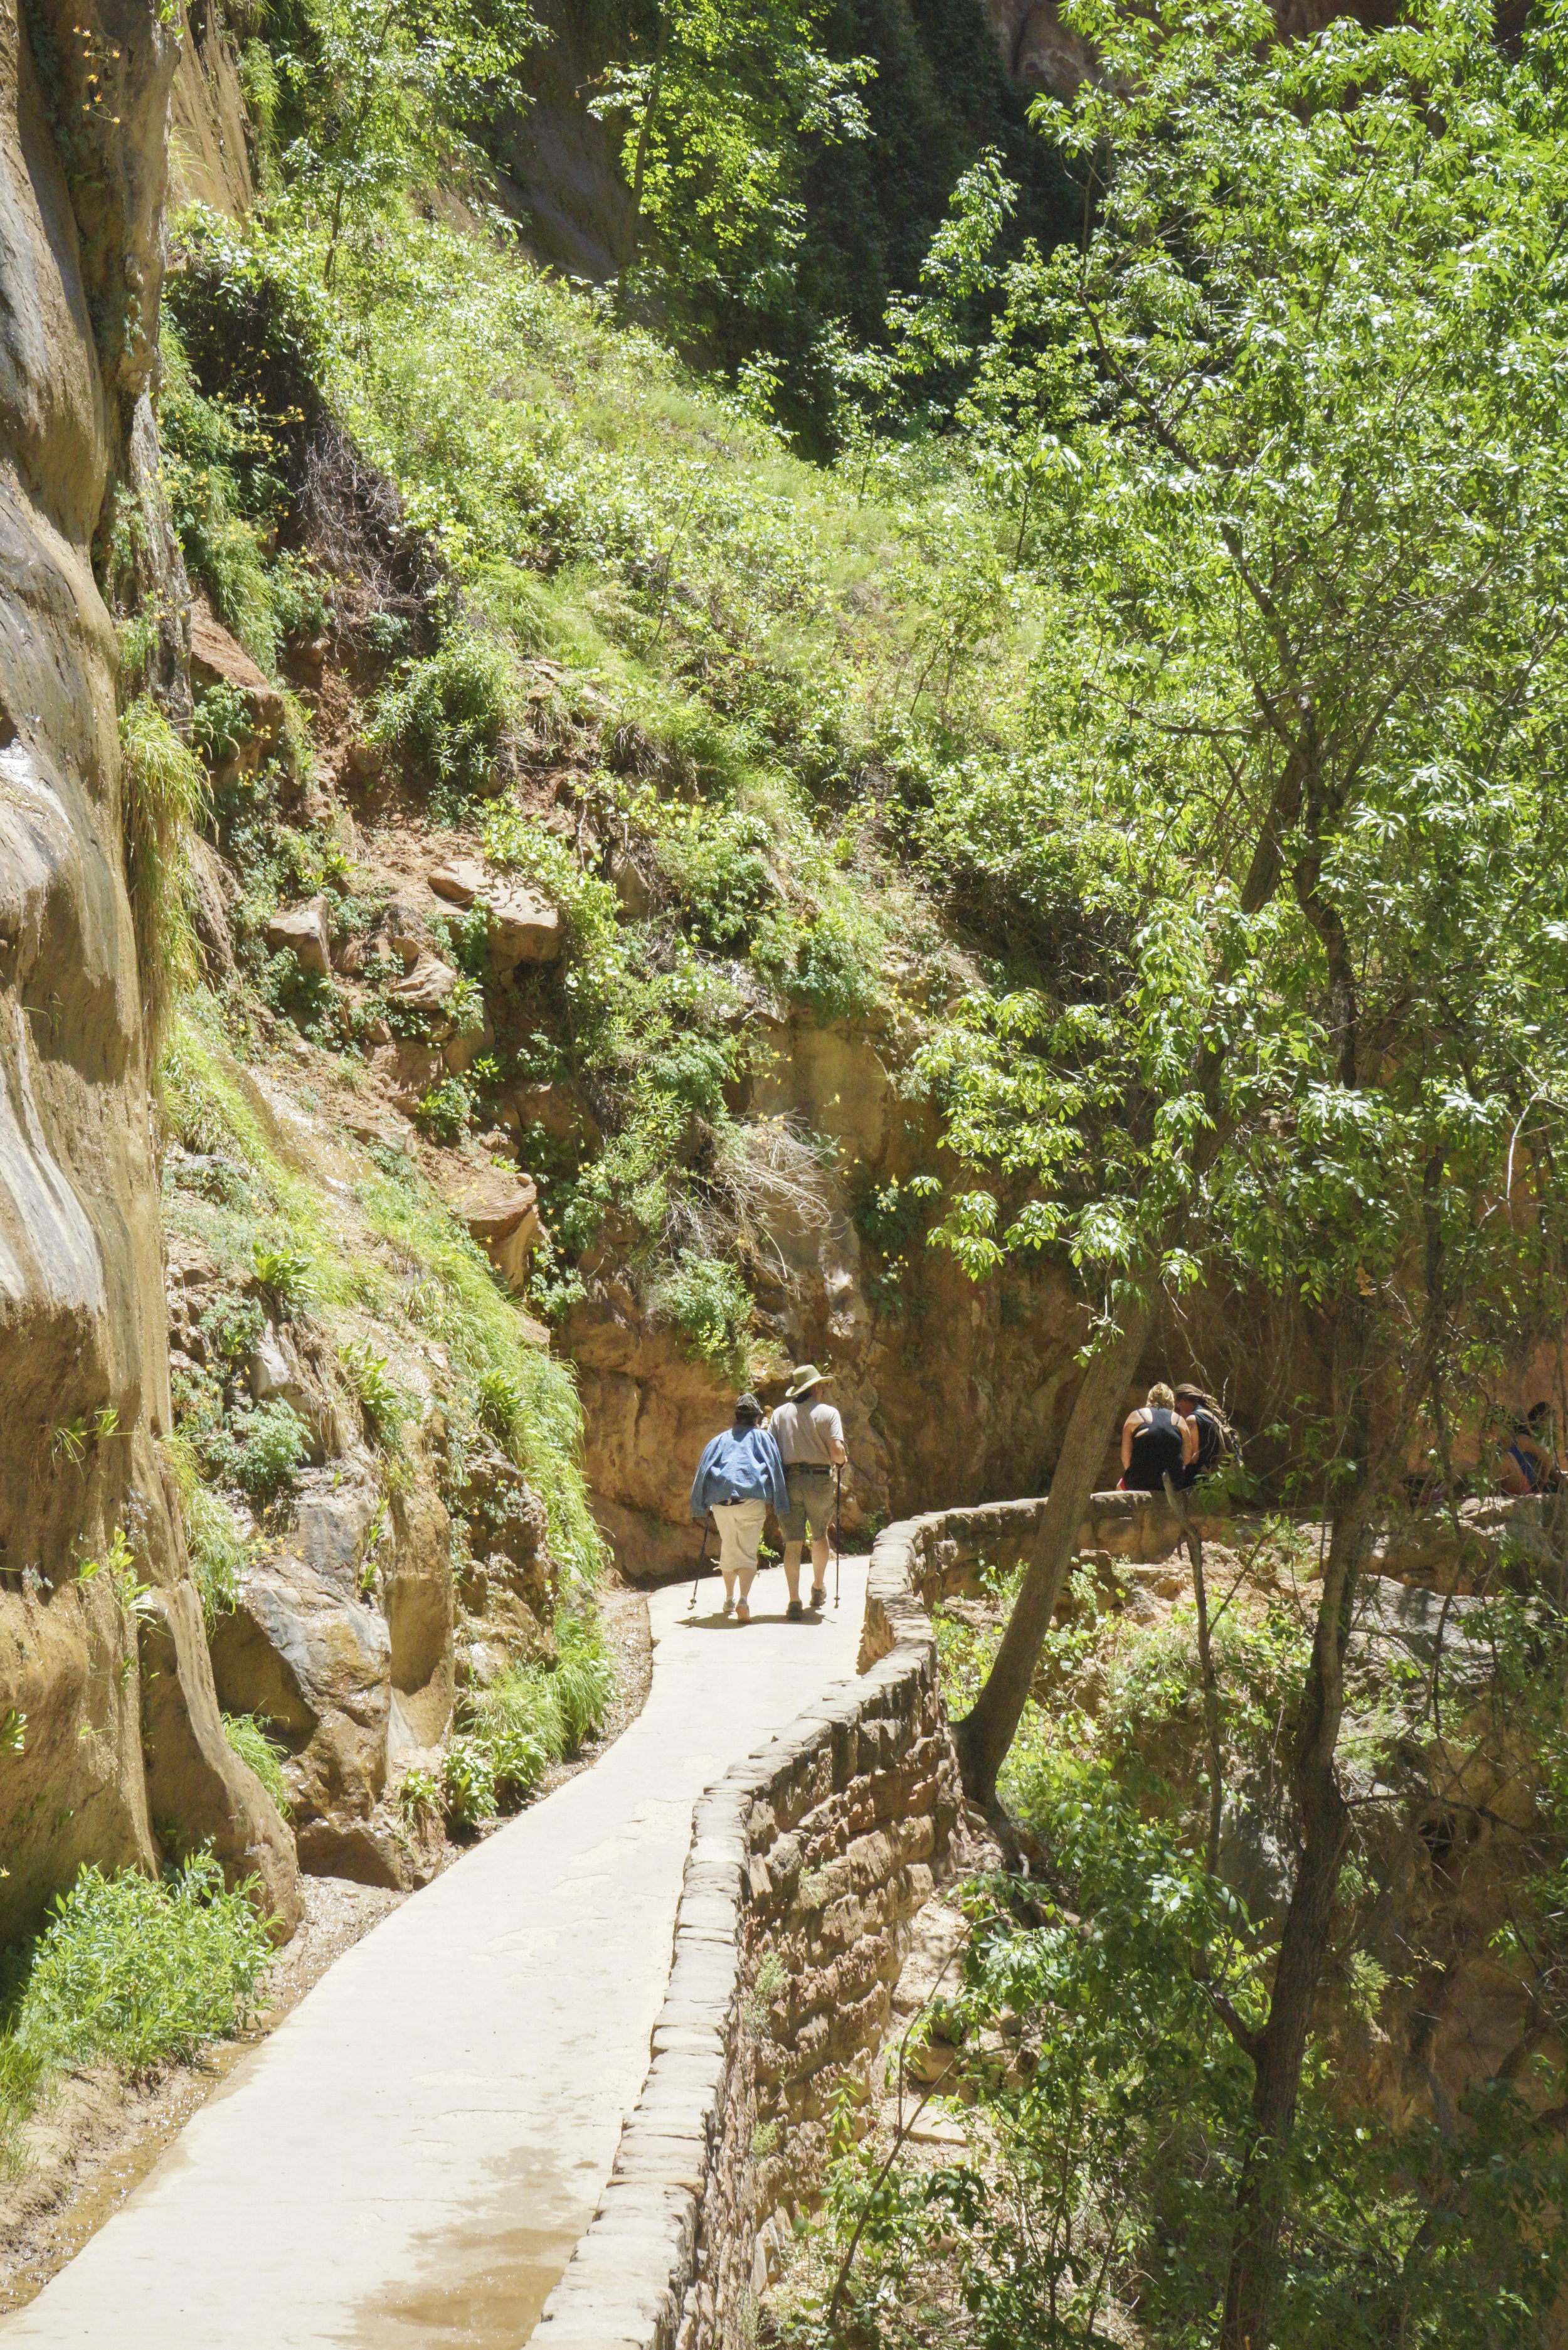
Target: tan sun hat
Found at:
x=804, y=1374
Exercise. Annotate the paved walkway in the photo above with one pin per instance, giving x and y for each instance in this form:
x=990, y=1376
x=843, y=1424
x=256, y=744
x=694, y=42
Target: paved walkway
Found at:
x=411, y=2156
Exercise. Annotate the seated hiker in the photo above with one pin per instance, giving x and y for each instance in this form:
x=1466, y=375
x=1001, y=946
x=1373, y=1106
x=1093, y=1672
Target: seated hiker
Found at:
x=1525, y=1463
x=809, y=1434
x=740, y=1478
x=1156, y=1443
x=1542, y=1422
x=1193, y=1404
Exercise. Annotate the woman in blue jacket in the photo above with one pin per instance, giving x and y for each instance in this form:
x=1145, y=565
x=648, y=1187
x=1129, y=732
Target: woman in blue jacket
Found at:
x=740, y=1478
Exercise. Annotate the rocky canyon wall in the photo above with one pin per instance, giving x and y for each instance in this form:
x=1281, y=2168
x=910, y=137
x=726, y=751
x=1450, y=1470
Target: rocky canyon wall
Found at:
x=953, y=1392
x=83, y=1386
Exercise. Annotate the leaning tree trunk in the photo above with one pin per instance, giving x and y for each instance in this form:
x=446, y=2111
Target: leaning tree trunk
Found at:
x=984, y=1735
x=1279, y=2050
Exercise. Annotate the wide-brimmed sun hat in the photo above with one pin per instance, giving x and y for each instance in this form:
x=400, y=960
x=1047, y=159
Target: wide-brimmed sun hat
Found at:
x=803, y=1376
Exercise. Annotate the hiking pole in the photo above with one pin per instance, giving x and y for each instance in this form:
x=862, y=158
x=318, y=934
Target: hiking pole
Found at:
x=700, y=1557
x=837, y=1520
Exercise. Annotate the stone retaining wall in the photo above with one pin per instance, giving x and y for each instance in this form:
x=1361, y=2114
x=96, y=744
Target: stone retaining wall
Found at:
x=808, y=1861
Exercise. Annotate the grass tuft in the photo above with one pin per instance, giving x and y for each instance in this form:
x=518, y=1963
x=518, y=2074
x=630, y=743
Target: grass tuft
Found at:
x=532, y=1715
x=165, y=795
x=248, y=1734
x=129, y=1971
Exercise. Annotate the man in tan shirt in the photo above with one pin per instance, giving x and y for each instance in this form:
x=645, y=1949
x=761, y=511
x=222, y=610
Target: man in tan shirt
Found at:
x=809, y=1434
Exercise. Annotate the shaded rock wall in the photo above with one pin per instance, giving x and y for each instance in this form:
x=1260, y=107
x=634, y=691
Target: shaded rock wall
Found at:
x=560, y=169
x=209, y=144
x=84, y=96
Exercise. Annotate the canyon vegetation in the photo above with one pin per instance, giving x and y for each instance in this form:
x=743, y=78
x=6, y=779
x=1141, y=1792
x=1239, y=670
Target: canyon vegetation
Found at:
x=683, y=689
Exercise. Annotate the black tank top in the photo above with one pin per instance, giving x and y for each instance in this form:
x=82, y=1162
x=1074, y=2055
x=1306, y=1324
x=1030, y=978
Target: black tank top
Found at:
x=1156, y=1448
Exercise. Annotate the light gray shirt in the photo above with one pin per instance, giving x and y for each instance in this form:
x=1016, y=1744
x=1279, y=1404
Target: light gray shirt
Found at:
x=803, y=1431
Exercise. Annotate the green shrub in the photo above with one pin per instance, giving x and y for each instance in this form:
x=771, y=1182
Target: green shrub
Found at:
x=468, y=1784
x=584, y=1678
x=252, y=324
x=248, y=1734
x=465, y=1006
x=532, y=1715
x=719, y=869
x=222, y=723
x=501, y=1404
x=258, y=81
x=446, y=1112
x=833, y=964
x=128, y=1971
x=709, y=1307
x=517, y=1726
x=418, y=1794
x=259, y=1448
x=232, y=1326
x=215, y=1550
x=465, y=940
x=379, y=1397
x=447, y=714
x=285, y=1275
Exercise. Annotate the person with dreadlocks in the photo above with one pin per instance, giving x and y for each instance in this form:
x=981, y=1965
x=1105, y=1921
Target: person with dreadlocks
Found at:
x=1199, y=1410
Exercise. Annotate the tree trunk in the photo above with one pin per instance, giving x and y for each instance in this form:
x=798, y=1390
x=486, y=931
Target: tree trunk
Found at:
x=983, y=1736
x=644, y=133
x=1278, y=2051
x=1180, y=1510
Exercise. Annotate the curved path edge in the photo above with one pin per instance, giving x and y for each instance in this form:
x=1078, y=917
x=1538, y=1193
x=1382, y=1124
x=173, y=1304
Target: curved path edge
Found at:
x=815, y=1851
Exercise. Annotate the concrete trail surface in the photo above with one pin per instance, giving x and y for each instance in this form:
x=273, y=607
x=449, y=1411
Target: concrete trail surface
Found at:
x=410, y=2158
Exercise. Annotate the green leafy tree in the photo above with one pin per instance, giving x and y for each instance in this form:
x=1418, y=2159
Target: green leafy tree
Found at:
x=383, y=95
x=719, y=114
x=1290, y=829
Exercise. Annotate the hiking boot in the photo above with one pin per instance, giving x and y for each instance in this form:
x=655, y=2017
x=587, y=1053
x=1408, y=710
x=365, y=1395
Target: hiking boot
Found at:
x=819, y=1596
x=795, y=1613
x=729, y=1607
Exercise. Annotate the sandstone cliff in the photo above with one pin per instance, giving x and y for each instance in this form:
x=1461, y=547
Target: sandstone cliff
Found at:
x=83, y=1360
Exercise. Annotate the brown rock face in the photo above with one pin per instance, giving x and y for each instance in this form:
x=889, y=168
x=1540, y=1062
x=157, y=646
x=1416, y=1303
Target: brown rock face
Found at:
x=216, y=659
x=314, y=1661
x=1037, y=48
x=348, y=1688
x=459, y=882
x=209, y=156
x=503, y=1216
x=81, y=1308
x=417, y=1597
x=524, y=928
x=75, y=1792
x=426, y=987
x=303, y=928
x=198, y=1789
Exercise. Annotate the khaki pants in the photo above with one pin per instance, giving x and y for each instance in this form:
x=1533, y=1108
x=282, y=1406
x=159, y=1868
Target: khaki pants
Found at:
x=740, y=1526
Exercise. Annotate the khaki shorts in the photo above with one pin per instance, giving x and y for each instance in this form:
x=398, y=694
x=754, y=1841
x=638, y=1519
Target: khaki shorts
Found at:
x=810, y=1498
x=740, y=1526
